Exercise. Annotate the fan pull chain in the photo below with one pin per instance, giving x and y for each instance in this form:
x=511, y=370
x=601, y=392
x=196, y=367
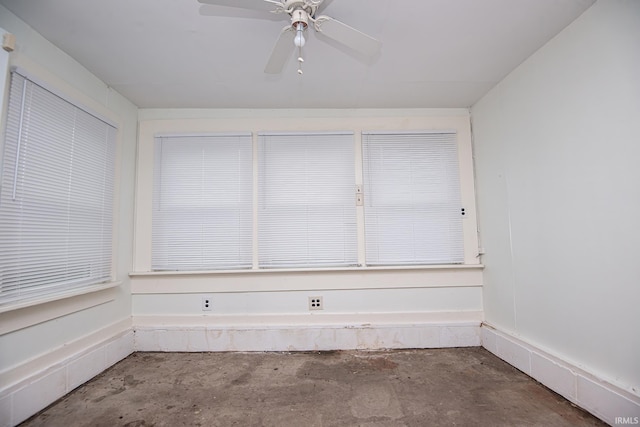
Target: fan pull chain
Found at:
x=300, y=60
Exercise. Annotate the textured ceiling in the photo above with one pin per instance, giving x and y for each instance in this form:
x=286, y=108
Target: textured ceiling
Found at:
x=167, y=54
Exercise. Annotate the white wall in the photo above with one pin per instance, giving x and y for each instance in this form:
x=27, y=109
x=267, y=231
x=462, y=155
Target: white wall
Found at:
x=37, y=336
x=557, y=145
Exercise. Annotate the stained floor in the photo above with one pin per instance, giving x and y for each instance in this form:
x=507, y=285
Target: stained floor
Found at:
x=452, y=387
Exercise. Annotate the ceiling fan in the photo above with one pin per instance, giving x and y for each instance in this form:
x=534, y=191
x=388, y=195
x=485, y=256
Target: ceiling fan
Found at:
x=303, y=13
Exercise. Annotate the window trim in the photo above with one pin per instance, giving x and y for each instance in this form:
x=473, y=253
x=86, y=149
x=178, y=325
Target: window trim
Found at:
x=153, y=123
x=292, y=280
x=61, y=296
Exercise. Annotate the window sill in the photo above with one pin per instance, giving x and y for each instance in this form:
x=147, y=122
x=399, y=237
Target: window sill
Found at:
x=309, y=270
x=287, y=280
x=18, y=316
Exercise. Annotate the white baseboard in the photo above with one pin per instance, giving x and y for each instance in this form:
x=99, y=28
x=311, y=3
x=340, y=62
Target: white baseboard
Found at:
x=57, y=373
x=34, y=385
x=606, y=401
x=307, y=332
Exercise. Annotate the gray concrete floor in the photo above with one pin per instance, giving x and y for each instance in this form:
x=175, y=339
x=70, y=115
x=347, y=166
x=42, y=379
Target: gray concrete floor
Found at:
x=461, y=387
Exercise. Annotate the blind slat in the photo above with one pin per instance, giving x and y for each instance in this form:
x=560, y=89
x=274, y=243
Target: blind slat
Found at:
x=56, y=196
x=412, y=198
x=202, y=202
x=306, y=200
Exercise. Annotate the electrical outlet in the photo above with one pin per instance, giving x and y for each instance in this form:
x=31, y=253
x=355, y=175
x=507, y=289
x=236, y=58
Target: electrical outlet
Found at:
x=315, y=303
x=207, y=303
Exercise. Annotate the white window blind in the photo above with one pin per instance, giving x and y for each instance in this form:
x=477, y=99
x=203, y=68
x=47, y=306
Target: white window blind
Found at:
x=412, y=199
x=56, y=196
x=202, y=202
x=306, y=193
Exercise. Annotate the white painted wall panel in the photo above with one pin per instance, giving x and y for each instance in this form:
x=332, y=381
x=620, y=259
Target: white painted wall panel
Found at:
x=41, y=58
x=556, y=149
x=343, y=301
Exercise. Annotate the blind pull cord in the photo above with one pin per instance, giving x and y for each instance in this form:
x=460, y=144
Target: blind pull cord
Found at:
x=15, y=171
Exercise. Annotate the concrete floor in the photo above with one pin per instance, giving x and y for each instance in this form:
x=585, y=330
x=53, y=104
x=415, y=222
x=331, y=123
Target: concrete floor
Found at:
x=462, y=387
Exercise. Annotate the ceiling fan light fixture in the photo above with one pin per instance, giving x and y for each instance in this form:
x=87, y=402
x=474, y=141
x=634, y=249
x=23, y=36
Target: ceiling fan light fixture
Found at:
x=299, y=39
x=299, y=22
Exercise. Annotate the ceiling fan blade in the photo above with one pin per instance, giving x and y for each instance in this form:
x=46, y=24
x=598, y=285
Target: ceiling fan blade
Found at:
x=346, y=35
x=281, y=51
x=233, y=12
x=322, y=5
x=266, y=5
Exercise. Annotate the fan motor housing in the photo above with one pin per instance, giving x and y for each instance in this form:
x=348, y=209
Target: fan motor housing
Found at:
x=294, y=6
x=299, y=16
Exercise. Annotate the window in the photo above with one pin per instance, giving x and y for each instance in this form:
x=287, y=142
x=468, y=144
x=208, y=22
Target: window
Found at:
x=306, y=193
x=56, y=196
x=293, y=205
x=412, y=199
x=202, y=202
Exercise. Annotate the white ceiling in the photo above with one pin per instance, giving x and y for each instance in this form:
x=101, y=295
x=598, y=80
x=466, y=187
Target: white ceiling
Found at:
x=166, y=54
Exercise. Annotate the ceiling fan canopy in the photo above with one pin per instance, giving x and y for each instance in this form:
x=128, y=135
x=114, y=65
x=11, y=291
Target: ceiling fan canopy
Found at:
x=302, y=13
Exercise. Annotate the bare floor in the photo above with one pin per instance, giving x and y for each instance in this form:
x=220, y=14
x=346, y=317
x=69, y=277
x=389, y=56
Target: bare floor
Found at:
x=461, y=387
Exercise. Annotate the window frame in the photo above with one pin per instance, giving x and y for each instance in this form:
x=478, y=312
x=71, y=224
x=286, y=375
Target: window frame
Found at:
x=88, y=295
x=153, y=122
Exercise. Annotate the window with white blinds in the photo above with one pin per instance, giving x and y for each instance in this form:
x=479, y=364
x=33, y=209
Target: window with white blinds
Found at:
x=306, y=200
x=56, y=196
x=412, y=198
x=202, y=202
